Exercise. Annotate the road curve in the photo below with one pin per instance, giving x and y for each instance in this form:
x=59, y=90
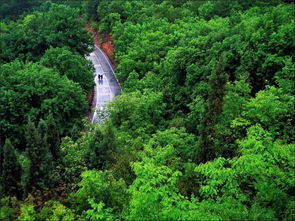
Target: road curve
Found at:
x=105, y=90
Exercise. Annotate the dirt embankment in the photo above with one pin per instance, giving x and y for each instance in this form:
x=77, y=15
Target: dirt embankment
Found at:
x=104, y=41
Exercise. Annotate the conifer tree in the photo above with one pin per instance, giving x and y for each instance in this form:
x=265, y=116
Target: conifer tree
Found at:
x=52, y=136
x=1, y=159
x=39, y=155
x=1, y=155
x=101, y=148
x=212, y=111
x=95, y=151
x=11, y=170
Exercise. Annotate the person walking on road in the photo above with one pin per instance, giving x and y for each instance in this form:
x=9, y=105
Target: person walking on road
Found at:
x=100, y=78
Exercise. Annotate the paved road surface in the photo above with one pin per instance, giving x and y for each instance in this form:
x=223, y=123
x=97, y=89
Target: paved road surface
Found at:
x=106, y=89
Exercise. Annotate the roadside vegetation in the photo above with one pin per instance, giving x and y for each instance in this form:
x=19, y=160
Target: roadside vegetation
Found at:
x=203, y=129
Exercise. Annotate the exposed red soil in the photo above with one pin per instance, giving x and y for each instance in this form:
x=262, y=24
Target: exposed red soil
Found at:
x=108, y=47
x=105, y=42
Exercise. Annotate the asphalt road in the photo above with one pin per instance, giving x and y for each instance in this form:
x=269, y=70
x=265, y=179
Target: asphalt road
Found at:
x=106, y=89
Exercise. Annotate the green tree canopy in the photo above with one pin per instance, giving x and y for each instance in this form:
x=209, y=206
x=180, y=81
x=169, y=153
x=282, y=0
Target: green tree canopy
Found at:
x=10, y=172
x=34, y=91
x=30, y=37
x=72, y=65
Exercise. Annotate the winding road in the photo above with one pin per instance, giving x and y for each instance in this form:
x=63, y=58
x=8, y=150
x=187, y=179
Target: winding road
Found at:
x=106, y=89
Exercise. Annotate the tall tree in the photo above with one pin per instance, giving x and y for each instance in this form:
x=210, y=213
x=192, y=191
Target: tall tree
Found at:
x=89, y=8
x=101, y=148
x=31, y=90
x=11, y=171
x=30, y=37
x=53, y=139
x=70, y=64
x=39, y=155
x=212, y=111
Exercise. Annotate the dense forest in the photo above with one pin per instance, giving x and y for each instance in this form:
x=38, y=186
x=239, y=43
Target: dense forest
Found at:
x=203, y=128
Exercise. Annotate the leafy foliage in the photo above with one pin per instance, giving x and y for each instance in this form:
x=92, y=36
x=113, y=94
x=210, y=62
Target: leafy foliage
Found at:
x=10, y=173
x=29, y=38
x=99, y=187
x=101, y=147
x=72, y=65
x=39, y=155
x=33, y=91
x=203, y=129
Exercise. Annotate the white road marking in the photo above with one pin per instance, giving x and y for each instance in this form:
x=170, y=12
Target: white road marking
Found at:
x=103, y=91
x=109, y=65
